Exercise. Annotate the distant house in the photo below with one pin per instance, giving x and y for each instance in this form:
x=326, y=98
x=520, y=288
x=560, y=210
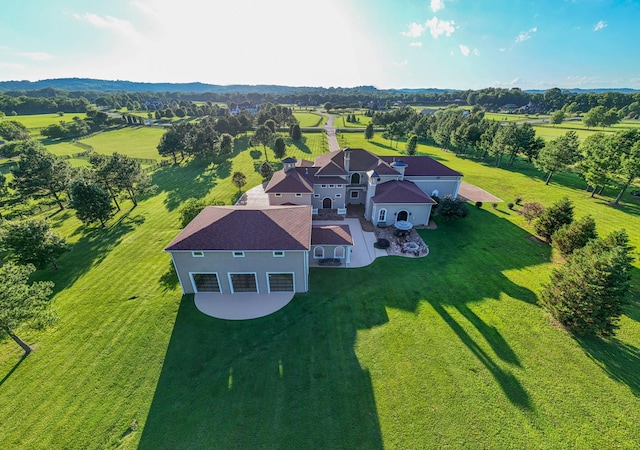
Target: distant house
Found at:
x=509, y=107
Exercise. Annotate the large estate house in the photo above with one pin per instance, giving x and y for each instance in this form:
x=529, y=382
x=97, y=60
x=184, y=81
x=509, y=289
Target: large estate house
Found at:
x=233, y=249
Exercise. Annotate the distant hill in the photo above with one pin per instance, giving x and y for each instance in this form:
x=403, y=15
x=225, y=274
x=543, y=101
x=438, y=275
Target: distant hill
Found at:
x=88, y=84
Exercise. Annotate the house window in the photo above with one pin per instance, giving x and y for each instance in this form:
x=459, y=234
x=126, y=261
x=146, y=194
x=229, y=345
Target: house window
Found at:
x=434, y=193
x=243, y=282
x=318, y=252
x=278, y=254
x=278, y=195
x=355, y=178
x=355, y=194
x=316, y=195
x=205, y=282
x=339, y=186
x=338, y=195
x=338, y=253
x=332, y=185
x=382, y=215
x=323, y=185
x=197, y=254
x=298, y=195
x=238, y=254
x=280, y=282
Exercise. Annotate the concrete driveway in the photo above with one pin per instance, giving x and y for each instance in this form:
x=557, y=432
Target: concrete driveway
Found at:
x=475, y=194
x=241, y=306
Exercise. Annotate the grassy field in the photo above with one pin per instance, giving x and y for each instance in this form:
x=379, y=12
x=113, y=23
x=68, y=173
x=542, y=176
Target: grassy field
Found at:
x=310, y=119
x=502, y=117
x=137, y=142
x=341, y=121
x=450, y=350
x=43, y=120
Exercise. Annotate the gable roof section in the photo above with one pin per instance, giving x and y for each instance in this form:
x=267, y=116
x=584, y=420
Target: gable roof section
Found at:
x=240, y=228
x=400, y=192
x=424, y=166
x=331, y=235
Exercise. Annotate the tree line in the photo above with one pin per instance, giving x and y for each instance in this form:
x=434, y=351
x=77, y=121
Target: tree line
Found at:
x=603, y=160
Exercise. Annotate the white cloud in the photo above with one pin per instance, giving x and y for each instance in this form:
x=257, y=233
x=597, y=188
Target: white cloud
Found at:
x=36, y=56
x=416, y=44
x=502, y=50
x=439, y=27
x=120, y=27
x=476, y=52
x=600, y=25
x=525, y=35
x=11, y=66
x=437, y=5
x=401, y=63
x=464, y=50
x=415, y=30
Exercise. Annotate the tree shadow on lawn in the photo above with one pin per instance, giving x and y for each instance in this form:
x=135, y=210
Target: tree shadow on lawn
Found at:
x=619, y=360
x=301, y=145
x=182, y=182
x=293, y=377
x=90, y=250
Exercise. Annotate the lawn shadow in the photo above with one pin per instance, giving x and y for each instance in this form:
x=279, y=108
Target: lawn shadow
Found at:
x=169, y=279
x=184, y=181
x=90, y=250
x=291, y=379
x=13, y=369
x=509, y=384
x=619, y=360
x=255, y=154
x=301, y=145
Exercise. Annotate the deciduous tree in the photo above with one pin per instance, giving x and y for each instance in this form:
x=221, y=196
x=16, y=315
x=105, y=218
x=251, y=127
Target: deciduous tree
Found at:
x=368, y=132
x=279, y=148
x=239, y=180
x=190, y=209
x=412, y=144
x=558, y=154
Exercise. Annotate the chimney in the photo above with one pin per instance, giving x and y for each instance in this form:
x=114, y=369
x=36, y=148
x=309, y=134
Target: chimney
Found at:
x=288, y=164
x=347, y=158
x=399, y=167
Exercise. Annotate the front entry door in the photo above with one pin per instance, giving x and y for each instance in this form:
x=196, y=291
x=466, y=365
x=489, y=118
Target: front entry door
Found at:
x=327, y=203
x=403, y=215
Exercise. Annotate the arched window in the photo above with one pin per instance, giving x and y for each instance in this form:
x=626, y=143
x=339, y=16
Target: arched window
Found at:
x=435, y=193
x=355, y=178
x=402, y=215
x=338, y=253
x=318, y=252
x=382, y=215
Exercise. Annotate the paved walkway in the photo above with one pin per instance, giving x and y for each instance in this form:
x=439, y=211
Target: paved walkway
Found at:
x=241, y=306
x=475, y=194
x=331, y=132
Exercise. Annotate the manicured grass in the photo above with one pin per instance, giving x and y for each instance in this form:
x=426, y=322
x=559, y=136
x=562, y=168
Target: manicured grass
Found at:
x=43, y=120
x=309, y=119
x=363, y=121
x=137, y=142
x=62, y=148
x=450, y=350
x=549, y=132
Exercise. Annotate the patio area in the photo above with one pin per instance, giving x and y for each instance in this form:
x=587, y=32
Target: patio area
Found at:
x=241, y=306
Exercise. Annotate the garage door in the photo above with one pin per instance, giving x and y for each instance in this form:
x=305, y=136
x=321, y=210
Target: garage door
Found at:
x=205, y=282
x=280, y=282
x=243, y=282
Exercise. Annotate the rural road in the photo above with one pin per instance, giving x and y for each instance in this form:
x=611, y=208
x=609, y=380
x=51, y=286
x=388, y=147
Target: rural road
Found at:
x=331, y=132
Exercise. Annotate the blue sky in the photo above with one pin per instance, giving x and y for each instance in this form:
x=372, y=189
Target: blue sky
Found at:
x=456, y=44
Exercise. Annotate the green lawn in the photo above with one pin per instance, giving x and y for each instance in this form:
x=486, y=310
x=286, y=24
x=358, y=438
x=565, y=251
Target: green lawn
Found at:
x=310, y=119
x=43, y=120
x=450, y=350
x=137, y=142
x=341, y=121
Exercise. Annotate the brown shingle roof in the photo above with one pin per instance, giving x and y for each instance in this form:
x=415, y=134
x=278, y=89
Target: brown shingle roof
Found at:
x=241, y=228
x=400, y=192
x=331, y=235
x=293, y=180
x=423, y=166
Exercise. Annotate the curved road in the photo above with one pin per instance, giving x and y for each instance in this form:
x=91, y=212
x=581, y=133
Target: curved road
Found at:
x=331, y=131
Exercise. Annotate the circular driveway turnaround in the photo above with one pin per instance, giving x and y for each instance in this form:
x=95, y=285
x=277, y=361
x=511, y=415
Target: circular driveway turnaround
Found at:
x=241, y=306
